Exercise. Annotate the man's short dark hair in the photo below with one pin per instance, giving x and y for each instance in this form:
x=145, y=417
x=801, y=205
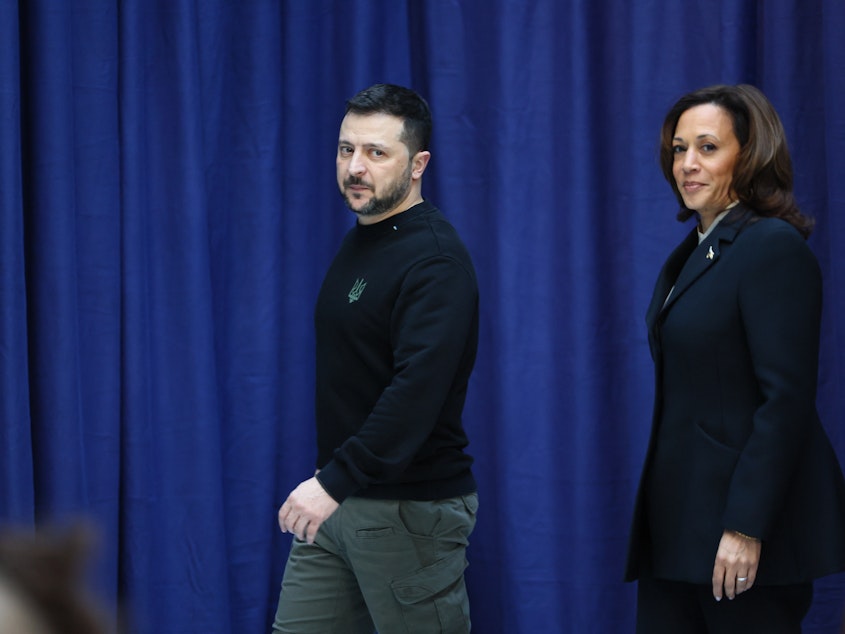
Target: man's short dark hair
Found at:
x=400, y=102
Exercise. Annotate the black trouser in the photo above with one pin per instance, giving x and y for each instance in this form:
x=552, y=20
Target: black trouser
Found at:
x=672, y=607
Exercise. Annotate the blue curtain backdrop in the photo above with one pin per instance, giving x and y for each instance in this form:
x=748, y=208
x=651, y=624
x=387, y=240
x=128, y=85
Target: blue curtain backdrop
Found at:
x=168, y=209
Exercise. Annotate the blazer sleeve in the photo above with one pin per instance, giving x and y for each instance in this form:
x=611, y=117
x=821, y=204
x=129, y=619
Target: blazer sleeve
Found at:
x=780, y=294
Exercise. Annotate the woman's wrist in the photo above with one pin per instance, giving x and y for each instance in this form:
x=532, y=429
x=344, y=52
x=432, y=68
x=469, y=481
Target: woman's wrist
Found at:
x=748, y=537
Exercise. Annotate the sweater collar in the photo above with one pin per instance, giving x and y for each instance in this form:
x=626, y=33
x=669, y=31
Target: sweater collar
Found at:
x=393, y=223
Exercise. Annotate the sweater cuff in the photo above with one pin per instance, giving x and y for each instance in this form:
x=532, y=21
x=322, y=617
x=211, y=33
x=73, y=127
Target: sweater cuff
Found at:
x=336, y=481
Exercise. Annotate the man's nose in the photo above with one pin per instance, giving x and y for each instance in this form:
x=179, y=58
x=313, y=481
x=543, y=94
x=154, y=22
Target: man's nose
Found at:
x=356, y=164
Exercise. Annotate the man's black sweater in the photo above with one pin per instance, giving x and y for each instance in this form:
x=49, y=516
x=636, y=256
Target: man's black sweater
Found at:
x=397, y=331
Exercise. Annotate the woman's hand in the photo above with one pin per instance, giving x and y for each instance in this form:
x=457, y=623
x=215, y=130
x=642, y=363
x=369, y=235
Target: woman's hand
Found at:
x=736, y=564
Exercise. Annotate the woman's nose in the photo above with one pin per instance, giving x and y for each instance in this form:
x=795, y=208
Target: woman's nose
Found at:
x=690, y=161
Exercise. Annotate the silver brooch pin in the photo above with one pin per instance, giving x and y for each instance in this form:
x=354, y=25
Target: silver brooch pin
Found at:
x=710, y=253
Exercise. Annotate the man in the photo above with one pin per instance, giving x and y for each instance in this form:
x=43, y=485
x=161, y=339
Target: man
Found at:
x=381, y=529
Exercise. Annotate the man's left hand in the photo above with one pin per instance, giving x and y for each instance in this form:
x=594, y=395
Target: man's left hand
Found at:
x=306, y=508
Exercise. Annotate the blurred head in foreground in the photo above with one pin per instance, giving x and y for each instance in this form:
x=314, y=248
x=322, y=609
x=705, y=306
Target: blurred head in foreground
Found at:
x=42, y=590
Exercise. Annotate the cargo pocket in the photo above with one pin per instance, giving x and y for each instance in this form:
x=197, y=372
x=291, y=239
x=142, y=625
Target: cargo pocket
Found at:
x=434, y=598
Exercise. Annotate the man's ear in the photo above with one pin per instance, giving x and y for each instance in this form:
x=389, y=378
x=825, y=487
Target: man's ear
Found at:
x=418, y=163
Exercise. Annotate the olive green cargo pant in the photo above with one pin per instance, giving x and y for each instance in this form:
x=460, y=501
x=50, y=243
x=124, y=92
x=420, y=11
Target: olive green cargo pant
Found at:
x=396, y=566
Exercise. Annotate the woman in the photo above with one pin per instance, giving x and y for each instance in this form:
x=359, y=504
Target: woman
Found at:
x=742, y=501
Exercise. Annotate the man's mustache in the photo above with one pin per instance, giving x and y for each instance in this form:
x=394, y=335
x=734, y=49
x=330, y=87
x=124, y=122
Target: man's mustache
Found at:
x=355, y=180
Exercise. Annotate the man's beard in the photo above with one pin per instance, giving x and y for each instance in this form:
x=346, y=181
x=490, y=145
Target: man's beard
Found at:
x=379, y=205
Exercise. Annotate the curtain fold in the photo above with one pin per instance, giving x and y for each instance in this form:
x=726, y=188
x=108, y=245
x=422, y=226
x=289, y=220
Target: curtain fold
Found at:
x=17, y=491
x=168, y=208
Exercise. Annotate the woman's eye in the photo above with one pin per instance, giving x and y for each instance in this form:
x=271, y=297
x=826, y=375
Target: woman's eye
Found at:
x=677, y=149
x=708, y=147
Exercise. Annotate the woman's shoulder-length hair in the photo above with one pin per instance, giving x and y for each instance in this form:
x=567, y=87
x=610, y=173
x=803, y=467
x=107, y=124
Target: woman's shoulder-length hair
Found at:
x=762, y=178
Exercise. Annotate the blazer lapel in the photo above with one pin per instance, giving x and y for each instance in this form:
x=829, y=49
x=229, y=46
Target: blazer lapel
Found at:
x=703, y=257
x=668, y=277
x=687, y=263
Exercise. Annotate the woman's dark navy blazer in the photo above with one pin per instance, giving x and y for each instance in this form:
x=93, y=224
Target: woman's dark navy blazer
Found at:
x=736, y=442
